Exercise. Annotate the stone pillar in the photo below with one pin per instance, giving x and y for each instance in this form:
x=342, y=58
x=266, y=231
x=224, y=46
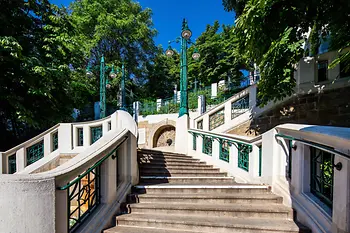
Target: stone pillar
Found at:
x=65, y=138
x=87, y=135
x=159, y=104
x=108, y=180
x=214, y=90
x=47, y=144
x=201, y=104
x=181, y=134
x=61, y=209
x=136, y=107
x=3, y=163
x=20, y=159
x=104, y=128
x=341, y=197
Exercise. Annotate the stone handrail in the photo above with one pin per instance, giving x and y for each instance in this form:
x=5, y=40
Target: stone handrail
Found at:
x=66, y=134
x=47, y=204
x=283, y=158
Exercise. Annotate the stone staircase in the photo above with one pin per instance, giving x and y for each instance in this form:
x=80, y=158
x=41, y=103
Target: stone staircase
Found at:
x=180, y=194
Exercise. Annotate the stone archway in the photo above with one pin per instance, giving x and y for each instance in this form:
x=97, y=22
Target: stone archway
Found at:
x=163, y=134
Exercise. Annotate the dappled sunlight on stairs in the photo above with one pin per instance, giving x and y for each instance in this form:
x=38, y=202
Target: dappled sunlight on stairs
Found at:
x=180, y=194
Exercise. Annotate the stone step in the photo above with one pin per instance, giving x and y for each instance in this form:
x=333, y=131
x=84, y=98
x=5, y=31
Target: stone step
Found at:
x=208, y=224
x=275, y=211
x=205, y=198
x=157, y=152
x=168, y=160
x=187, y=180
x=136, y=229
x=199, y=168
x=171, y=164
x=182, y=173
x=201, y=189
x=141, y=155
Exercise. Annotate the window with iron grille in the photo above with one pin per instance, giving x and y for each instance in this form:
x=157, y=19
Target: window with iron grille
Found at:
x=207, y=145
x=80, y=136
x=200, y=124
x=12, y=164
x=194, y=141
x=216, y=119
x=243, y=156
x=96, y=133
x=322, y=175
x=239, y=107
x=109, y=125
x=322, y=71
x=35, y=152
x=225, y=150
x=55, y=141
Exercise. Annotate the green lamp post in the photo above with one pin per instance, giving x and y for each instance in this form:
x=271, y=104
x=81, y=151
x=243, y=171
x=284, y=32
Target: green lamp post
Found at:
x=184, y=40
x=104, y=83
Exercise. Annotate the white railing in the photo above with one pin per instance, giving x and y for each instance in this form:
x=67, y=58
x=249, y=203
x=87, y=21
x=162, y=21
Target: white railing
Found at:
x=101, y=175
x=291, y=159
x=42, y=149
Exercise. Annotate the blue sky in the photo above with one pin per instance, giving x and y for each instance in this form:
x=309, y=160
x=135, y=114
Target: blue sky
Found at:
x=168, y=15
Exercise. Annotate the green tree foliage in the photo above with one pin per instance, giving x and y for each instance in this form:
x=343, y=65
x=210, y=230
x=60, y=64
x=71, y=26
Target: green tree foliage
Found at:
x=39, y=84
x=218, y=60
x=121, y=31
x=271, y=33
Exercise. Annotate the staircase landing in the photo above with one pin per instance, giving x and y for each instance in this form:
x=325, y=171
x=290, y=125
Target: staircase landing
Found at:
x=180, y=194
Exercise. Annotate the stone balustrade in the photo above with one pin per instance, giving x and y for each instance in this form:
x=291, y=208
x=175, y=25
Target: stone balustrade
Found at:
x=308, y=165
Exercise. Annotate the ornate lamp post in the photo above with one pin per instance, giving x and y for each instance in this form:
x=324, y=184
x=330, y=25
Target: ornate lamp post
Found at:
x=104, y=83
x=184, y=40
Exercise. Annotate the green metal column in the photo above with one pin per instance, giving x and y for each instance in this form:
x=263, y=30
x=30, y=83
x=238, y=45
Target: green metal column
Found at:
x=123, y=107
x=183, y=74
x=102, y=89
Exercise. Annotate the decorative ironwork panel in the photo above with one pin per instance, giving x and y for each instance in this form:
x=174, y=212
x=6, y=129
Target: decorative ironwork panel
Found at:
x=240, y=106
x=200, y=124
x=243, y=156
x=84, y=196
x=35, y=152
x=322, y=175
x=217, y=119
x=54, y=141
x=207, y=145
x=80, y=136
x=194, y=141
x=225, y=150
x=109, y=126
x=96, y=133
x=12, y=164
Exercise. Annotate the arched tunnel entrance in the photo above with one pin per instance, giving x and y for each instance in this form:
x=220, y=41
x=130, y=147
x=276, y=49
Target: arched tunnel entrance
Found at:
x=164, y=136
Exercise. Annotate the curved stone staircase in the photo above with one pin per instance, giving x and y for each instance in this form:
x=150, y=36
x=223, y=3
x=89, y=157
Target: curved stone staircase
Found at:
x=180, y=194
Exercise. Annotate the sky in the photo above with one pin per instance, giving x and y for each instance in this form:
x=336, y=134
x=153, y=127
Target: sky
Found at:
x=168, y=15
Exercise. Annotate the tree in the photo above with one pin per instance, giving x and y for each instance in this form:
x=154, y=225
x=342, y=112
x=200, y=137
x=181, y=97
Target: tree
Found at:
x=121, y=31
x=39, y=81
x=271, y=33
x=218, y=60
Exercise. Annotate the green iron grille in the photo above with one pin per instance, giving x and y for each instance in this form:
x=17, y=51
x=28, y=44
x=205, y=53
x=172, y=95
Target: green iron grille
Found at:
x=217, y=119
x=194, y=141
x=12, y=164
x=322, y=175
x=80, y=136
x=35, y=152
x=200, y=124
x=84, y=196
x=109, y=126
x=239, y=107
x=225, y=150
x=54, y=141
x=96, y=133
x=207, y=145
x=243, y=156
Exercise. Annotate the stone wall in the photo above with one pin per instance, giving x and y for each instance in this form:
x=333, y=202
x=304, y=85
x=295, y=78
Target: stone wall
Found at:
x=330, y=108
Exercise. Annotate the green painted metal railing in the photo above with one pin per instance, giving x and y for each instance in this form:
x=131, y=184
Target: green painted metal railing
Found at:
x=96, y=133
x=35, y=152
x=12, y=164
x=244, y=149
x=84, y=192
x=321, y=166
x=80, y=136
x=55, y=141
